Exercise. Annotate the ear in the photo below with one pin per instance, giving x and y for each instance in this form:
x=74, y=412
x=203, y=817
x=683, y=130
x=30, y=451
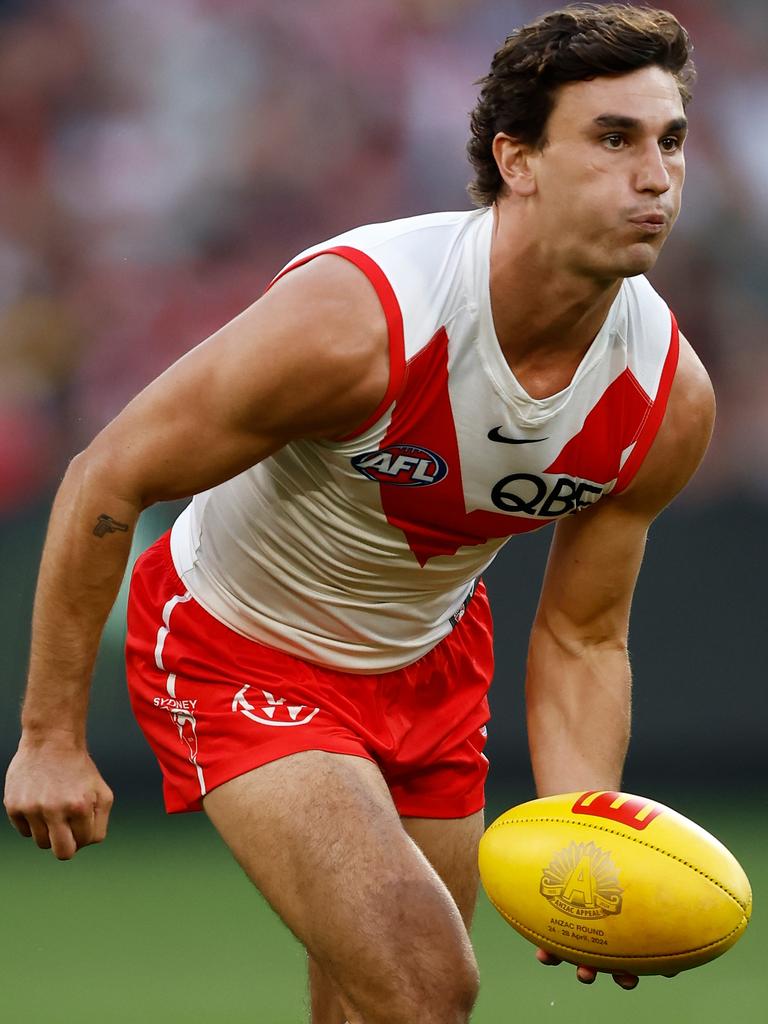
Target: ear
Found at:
x=514, y=160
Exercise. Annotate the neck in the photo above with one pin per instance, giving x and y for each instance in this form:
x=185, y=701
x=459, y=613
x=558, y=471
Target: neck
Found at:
x=545, y=315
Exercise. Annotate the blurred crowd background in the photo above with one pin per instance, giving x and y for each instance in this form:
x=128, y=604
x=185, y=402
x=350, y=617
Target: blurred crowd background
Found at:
x=160, y=161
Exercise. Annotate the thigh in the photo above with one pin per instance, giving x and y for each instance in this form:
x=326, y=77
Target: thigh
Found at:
x=319, y=836
x=450, y=846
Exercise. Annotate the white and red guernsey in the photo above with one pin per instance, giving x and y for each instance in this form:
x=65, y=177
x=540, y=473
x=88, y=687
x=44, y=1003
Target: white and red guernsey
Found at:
x=357, y=553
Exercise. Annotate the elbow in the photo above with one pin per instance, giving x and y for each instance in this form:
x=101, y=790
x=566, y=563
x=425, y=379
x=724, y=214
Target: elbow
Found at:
x=579, y=640
x=99, y=471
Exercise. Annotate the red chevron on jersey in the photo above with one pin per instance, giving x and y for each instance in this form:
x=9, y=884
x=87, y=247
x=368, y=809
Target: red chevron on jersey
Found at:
x=423, y=416
x=611, y=426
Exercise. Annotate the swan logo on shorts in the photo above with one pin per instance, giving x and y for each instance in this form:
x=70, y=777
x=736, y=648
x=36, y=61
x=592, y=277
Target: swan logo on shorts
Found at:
x=275, y=711
x=404, y=465
x=183, y=714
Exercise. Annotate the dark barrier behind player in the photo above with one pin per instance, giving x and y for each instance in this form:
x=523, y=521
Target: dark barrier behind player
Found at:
x=697, y=650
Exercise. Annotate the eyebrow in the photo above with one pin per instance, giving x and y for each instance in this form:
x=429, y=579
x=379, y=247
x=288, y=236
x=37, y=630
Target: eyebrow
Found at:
x=624, y=123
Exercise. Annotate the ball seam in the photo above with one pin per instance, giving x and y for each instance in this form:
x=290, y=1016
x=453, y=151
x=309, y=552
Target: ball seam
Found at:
x=613, y=956
x=623, y=835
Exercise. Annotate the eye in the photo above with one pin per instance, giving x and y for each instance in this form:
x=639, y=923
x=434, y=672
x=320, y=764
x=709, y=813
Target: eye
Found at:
x=671, y=144
x=614, y=141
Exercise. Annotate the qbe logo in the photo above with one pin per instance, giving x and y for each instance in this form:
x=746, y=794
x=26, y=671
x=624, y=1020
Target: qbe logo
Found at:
x=404, y=465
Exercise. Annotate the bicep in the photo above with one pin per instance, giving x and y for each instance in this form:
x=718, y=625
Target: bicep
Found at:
x=309, y=359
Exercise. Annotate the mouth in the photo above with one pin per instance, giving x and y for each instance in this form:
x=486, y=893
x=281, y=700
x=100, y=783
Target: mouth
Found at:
x=649, y=223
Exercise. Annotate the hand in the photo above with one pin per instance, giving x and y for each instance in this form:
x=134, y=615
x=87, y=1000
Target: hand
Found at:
x=587, y=975
x=55, y=794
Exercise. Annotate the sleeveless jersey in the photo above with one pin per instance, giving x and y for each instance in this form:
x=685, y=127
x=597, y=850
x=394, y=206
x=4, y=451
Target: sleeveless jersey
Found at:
x=359, y=552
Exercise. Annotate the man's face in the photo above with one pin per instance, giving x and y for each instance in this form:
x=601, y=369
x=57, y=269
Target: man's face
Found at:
x=609, y=180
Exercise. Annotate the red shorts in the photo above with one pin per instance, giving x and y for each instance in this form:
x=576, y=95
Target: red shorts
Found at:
x=214, y=704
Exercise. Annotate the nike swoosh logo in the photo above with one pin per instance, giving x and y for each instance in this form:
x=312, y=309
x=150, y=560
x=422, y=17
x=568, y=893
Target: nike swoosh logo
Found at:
x=495, y=435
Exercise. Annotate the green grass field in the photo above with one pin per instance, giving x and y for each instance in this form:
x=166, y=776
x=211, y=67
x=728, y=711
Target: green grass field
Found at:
x=159, y=926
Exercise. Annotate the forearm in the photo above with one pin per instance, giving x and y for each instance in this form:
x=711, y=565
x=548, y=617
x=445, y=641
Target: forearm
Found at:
x=578, y=698
x=81, y=571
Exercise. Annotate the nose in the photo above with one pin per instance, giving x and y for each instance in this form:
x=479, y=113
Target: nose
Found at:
x=652, y=174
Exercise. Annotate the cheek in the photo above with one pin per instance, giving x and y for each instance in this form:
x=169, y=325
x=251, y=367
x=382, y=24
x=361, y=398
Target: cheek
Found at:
x=681, y=174
x=677, y=180
x=582, y=196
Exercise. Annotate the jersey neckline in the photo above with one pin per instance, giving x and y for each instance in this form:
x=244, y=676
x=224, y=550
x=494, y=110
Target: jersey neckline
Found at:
x=534, y=411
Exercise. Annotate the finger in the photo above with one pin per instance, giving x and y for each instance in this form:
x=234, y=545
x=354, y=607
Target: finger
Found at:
x=21, y=824
x=586, y=975
x=90, y=826
x=81, y=828
x=39, y=830
x=626, y=981
x=62, y=840
x=101, y=816
x=548, y=959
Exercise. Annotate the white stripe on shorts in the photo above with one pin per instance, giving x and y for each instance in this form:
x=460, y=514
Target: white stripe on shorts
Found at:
x=170, y=683
x=162, y=633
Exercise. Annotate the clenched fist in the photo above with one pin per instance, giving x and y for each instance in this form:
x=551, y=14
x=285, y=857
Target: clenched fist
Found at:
x=55, y=794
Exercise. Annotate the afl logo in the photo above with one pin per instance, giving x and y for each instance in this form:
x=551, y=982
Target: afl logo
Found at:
x=404, y=465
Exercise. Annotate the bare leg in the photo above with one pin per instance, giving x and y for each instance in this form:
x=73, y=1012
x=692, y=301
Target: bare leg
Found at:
x=319, y=836
x=450, y=845
x=325, y=1000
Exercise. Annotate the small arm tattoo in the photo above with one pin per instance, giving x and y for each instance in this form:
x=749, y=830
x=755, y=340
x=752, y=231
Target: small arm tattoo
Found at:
x=106, y=524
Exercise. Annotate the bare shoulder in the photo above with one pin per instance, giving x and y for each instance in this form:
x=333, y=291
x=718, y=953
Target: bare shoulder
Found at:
x=681, y=441
x=318, y=338
x=309, y=359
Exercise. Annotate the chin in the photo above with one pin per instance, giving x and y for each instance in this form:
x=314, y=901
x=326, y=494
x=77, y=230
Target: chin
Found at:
x=640, y=259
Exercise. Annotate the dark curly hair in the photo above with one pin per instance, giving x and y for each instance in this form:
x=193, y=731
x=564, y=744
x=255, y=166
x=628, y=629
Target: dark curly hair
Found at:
x=574, y=44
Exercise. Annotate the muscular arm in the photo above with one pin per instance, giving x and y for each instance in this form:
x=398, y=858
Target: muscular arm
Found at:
x=309, y=359
x=578, y=684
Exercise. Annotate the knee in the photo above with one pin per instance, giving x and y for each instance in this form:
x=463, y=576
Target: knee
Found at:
x=456, y=1001
x=445, y=995
x=462, y=994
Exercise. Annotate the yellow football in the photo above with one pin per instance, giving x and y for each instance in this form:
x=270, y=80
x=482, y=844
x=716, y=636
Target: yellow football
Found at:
x=615, y=881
